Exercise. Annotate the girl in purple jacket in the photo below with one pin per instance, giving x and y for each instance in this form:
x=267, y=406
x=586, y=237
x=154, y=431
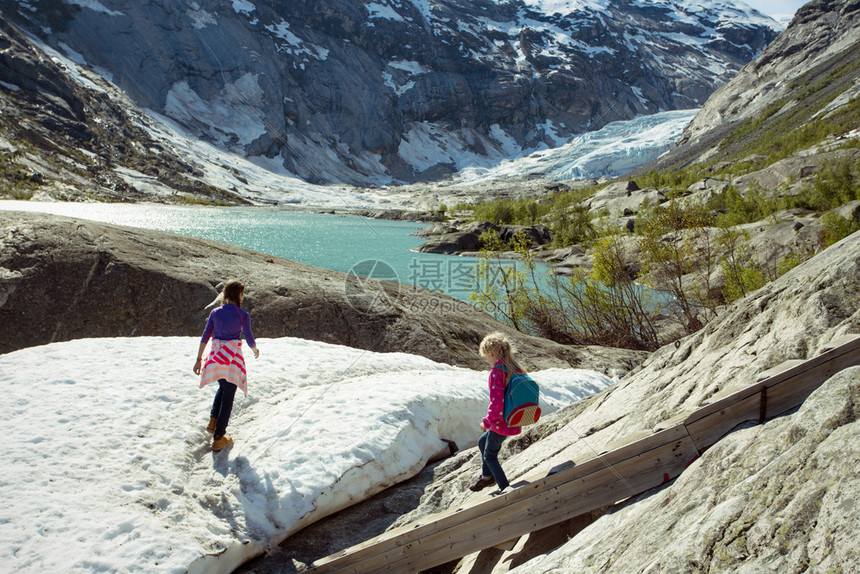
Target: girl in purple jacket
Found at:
x=496, y=349
x=225, y=363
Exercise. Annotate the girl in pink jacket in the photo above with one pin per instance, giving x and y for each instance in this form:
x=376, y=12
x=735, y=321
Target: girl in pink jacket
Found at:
x=496, y=349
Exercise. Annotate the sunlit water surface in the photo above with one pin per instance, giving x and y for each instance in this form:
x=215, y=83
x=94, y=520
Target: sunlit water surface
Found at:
x=373, y=247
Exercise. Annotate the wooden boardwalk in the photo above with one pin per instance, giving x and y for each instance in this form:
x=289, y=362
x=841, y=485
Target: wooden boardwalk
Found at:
x=631, y=469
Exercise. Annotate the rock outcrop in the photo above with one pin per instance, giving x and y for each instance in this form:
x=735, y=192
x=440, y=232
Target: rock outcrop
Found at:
x=76, y=134
x=63, y=278
x=452, y=238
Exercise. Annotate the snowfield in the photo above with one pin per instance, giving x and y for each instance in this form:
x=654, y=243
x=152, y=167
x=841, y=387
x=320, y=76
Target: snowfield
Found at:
x=109, y=469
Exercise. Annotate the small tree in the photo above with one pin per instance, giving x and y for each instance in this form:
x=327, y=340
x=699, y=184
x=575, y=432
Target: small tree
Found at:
x=678, y=258
x=603, y=306
x=570, y=221
x=501, y=286
x=836, y=227
x=743, y=275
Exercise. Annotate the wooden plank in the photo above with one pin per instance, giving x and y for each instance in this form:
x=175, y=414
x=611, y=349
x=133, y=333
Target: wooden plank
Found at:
x=437, y=548
x=780, y=393
x=782, y=367
x=545, y=508
x=845, y=355
x=628, y=439
x=475, y=509
x=706, y=431
x=410, y=535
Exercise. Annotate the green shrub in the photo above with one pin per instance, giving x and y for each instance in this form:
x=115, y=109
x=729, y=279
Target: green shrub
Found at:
x=791, y=261
x=509, y=211
x=835, y=228
x=743, y=275
x=677, y=257
x=736, y=208
x=570, y=221
x=740, y=281
x=836, y=183
x=601, y=307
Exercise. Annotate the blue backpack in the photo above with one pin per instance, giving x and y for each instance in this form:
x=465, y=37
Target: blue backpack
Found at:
x=522, y=398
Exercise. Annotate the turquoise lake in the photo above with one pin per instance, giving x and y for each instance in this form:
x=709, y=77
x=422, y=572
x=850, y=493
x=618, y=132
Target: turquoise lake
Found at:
x=370, y=247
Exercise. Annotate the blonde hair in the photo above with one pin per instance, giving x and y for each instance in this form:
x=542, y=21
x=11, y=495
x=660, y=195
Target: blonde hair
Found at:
x=496, y=345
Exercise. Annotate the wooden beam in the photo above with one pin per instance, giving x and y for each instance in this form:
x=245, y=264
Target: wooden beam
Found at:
x=614, y=476
x=782, y=392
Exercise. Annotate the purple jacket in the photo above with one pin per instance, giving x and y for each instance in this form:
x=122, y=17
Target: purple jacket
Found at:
x=495, y=419
x=228, y=322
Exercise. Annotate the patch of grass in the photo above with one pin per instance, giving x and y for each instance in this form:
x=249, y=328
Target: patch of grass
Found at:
x=15, y=181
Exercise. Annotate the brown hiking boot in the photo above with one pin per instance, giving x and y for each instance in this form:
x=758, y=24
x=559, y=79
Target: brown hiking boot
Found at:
x=213, y=422
x=482, y=483
x=222, y=442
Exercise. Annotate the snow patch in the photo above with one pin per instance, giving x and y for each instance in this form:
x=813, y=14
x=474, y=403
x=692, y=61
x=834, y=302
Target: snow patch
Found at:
x=95, y=6
x=231, y=115
x=565, y=7
x=410, y=67
x=243, y=7
x=425, y=145
x=295, y=45
x=100, y=485
x=74, y=56
x=383, y=11
x=508, y=144
x=200, y=18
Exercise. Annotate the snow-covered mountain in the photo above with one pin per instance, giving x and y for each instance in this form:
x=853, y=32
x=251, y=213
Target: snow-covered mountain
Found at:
x=357, y=91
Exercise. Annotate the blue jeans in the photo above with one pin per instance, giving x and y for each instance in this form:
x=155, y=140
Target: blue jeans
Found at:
x=489, y=444
x=223, y=406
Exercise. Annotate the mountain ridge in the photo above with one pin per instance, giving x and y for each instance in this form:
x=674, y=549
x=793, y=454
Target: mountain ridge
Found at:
x=369, y=93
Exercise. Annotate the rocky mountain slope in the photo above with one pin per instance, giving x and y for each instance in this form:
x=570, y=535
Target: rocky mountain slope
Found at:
x=358, y=91
x=77, y=135
x=807, y=76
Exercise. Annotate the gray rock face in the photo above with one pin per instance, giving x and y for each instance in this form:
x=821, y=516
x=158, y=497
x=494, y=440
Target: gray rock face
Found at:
x=355, y=91
x=623, y=198
x=63, y=278
x=76, y=133
x=778, y=497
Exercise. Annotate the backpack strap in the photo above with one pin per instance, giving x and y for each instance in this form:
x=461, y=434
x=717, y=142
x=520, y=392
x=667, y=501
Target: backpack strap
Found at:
x=504, y=369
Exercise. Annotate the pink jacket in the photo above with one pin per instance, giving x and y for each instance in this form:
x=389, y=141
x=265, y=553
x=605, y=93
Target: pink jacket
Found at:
x=495, y=419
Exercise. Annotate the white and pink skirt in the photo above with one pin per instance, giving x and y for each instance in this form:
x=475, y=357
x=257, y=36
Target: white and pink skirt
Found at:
x=225, y=361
